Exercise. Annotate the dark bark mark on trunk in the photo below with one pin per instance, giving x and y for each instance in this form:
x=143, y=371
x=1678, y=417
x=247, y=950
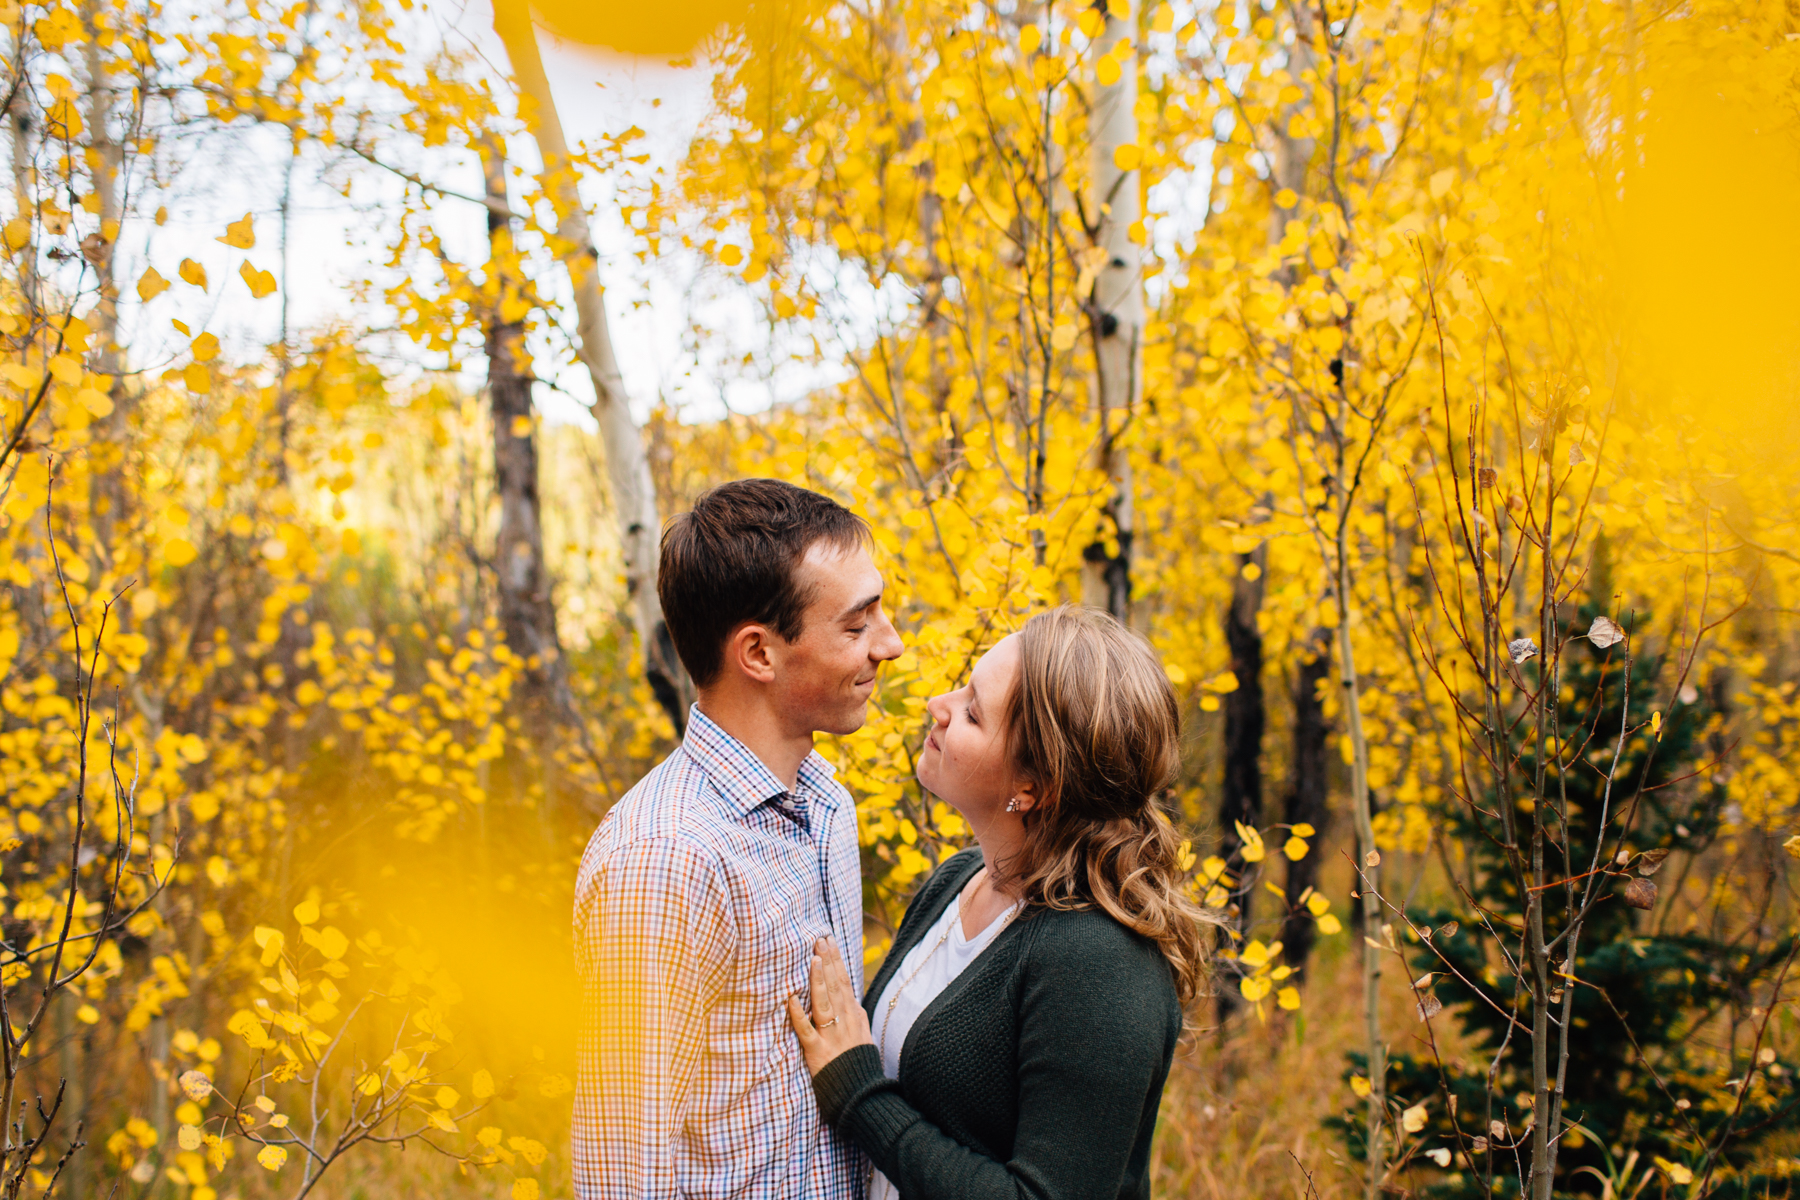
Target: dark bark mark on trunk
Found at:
x=527, y=616
x=1305, y=801
x=1241, y=798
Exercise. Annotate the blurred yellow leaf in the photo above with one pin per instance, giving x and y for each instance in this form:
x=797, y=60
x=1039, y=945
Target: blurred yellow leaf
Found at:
x=150, y=285
x=240, y=234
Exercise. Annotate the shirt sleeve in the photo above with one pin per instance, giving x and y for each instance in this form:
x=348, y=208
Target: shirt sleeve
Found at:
x=652, y=944
x=1092, y=1060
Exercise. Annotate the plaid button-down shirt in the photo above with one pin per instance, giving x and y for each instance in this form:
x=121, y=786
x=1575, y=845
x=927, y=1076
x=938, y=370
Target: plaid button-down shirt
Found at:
x=699, y=899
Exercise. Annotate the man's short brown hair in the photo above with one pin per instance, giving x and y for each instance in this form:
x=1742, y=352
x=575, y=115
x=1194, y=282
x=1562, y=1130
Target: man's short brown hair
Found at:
x=733, y=559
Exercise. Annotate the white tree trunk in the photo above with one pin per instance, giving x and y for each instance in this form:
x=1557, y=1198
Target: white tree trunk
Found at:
x=1117, y=318
x=628, y=466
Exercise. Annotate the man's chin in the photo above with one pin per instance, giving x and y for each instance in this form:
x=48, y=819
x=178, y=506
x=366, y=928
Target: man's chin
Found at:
x=851, y=719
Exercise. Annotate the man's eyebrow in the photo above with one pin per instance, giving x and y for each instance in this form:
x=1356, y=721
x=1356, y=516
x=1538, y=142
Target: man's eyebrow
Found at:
x=859, y=606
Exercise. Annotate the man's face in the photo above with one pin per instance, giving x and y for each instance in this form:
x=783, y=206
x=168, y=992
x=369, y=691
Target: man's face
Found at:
x=824, y=678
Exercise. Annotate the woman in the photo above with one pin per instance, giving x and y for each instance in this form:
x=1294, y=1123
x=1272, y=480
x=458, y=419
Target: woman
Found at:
x=1016, y=1040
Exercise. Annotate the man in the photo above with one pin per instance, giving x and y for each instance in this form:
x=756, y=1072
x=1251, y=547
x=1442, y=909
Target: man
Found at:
x=703, y=891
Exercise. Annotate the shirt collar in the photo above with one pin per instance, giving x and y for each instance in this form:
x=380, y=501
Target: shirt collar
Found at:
x=741, y=777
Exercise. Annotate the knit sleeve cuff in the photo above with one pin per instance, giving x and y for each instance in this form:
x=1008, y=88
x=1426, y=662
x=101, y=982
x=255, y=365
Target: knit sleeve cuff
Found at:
x=844, y=1080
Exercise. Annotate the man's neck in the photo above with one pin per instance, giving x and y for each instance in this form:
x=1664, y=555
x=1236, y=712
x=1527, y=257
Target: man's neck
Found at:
x=761, y=731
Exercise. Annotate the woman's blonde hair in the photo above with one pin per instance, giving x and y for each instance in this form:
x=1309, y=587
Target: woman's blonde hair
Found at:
x=1093, y=723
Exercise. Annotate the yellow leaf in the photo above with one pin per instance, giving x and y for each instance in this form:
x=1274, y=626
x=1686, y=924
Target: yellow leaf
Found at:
x=1413, y=1119
x=240, y=235
x=179, y=552
x=65, y=370
x=272, y=1157
x=521, y=426
x=1441, y=182
x=489, y=1136
x=188, y=1137
x=197, y=378
x=87, y=1014
x=1359, y=1084
x=442, y=1120
x=195, y=1085
x=1106, y=73
x=191, y=748
x=1295, y=849
x=1030, y=38
x=1127, y=157
x=1288, y=998
x=150, y=285
x=447, y=1097
x=482, y=1086
x=530, y=1150
x=1304, y=830
x=1252, y=843
x=525, y=1189
x=206, y=348
x=95, y=401
x=307, y=912
x=262, y=283
x=1317, y=904
x=192, y=272
x=730, y=256
x=332, y=943
x=1329, y=924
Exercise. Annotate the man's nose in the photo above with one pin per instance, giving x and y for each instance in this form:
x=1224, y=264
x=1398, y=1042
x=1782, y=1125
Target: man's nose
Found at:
x=888, y=646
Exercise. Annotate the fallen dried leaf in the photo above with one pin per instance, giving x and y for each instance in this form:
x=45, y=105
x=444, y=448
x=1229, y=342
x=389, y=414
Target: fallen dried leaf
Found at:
x=1522, y=649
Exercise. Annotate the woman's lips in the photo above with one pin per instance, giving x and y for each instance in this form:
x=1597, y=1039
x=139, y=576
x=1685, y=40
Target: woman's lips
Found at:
x=931, y=742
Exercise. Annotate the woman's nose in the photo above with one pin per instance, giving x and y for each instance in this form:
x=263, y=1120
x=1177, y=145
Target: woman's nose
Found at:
x=938, y=709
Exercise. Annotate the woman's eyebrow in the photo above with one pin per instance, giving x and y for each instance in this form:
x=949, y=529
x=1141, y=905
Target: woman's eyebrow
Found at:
x=974, y=696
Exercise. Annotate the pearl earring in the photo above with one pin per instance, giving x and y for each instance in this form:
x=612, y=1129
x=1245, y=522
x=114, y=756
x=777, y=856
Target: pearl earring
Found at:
x=1012, y=805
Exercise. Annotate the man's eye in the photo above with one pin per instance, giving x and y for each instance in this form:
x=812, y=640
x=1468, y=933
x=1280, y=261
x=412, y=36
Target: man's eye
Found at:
x=859, y=629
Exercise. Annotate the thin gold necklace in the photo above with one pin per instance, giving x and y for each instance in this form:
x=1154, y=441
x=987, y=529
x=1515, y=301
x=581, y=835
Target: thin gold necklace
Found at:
x=962, y=910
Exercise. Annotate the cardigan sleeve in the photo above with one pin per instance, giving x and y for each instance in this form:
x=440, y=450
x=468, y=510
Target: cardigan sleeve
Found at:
x=1097, y=1024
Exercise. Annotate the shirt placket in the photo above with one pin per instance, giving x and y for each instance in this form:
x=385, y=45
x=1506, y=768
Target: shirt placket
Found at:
x=799, y=809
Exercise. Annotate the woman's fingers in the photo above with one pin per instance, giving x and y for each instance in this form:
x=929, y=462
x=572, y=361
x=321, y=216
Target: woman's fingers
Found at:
x=836, y=977
x=822, y=999
x=803, y=1026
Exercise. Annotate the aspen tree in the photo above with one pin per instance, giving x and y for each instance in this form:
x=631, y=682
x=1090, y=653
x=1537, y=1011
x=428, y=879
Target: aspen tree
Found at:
x=627, y=462
x=1117, y=313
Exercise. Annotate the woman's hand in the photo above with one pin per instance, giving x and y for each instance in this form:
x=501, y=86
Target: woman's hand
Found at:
x=838, y=1022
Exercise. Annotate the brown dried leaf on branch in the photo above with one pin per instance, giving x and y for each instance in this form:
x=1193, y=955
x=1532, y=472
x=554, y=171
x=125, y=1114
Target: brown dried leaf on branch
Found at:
x=1651, y=861
x=1429, y=1006
x=1605, y=632
x=1639, y=893
x=1522, y=649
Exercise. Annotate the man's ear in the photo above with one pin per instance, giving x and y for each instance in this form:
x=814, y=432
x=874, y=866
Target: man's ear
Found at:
x=748, y=652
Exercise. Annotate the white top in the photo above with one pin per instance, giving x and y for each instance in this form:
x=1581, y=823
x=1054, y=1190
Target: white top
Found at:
x=928, y=968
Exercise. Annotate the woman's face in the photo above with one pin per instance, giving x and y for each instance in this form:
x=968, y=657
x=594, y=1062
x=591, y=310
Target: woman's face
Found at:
x=965, y=761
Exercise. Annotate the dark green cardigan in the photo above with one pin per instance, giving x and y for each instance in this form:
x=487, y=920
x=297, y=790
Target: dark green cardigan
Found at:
x=1037, y=1072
